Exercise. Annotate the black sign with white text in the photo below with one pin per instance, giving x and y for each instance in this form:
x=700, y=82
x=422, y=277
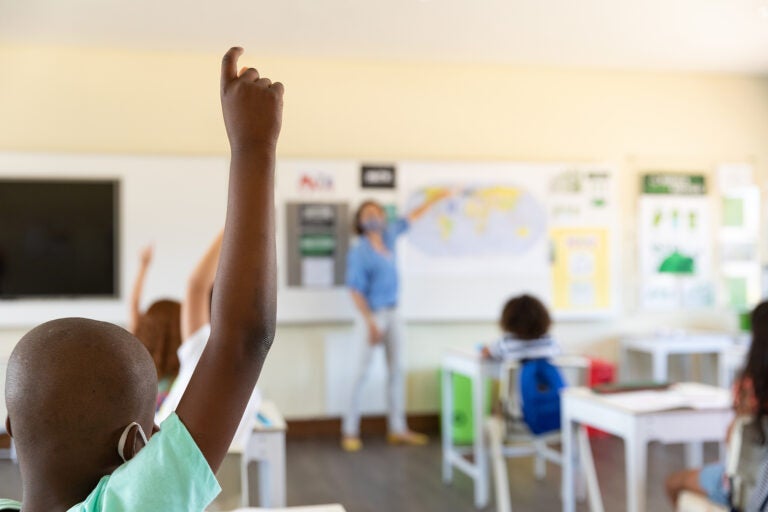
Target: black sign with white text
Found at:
x=378, y=176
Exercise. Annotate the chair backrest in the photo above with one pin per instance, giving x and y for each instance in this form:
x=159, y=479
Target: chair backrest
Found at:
x=575, y=370
x=746, y=455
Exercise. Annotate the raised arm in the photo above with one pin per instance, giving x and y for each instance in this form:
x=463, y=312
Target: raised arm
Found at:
x=145, y=259
x=244, y=299
x=427, y=205
x=196, y=310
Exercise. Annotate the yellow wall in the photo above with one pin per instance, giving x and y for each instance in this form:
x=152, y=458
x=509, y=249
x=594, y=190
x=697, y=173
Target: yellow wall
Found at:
x=86, y=101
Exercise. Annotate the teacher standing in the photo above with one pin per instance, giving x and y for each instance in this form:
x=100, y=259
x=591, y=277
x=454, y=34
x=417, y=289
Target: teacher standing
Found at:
x=372, y=277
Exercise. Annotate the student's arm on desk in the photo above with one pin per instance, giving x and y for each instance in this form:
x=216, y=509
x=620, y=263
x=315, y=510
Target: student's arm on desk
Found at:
x=244, y=300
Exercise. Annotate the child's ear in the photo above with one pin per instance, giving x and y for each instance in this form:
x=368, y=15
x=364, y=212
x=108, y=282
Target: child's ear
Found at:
x=133, y=443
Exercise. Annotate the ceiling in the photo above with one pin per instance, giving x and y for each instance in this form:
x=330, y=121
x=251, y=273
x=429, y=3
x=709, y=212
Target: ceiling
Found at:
x=717, y=35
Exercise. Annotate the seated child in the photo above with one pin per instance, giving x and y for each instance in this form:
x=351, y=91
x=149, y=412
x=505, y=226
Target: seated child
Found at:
x=81, y=393
x=525, y=322
x=750, y=397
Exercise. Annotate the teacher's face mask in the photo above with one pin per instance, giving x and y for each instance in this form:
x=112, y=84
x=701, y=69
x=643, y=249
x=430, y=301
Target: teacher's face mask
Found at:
x=374, y=226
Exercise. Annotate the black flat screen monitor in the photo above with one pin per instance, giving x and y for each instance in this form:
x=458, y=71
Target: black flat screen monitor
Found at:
x=58, y=238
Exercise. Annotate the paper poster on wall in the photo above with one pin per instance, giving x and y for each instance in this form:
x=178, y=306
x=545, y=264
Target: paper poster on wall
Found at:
x=581, y=270
x=477, y=217
x=676, y=242
x=317, y=241
x=581, y=197
x=739, y=236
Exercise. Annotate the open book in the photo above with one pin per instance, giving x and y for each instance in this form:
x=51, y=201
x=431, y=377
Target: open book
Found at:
x=678, y=396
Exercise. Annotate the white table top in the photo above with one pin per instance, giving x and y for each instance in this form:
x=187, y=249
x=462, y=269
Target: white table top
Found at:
x=683, y=396
x=690, y=342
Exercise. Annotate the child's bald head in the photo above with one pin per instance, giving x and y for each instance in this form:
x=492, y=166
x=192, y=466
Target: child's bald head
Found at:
x=73, y=385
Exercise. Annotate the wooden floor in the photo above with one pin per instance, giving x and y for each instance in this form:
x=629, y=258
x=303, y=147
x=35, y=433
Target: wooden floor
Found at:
x=387, y=479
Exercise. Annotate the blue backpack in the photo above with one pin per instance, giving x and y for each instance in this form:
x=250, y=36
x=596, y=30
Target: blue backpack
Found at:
x=540, y=386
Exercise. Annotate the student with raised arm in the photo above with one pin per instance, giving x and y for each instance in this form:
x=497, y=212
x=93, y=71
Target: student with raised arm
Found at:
x=373, y=280
x=196, y=330
x=158, y=328
x=81, y=393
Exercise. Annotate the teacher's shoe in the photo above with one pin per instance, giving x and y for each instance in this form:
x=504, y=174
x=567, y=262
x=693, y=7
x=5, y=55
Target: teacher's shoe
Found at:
x=408, y=438
x=351, y=444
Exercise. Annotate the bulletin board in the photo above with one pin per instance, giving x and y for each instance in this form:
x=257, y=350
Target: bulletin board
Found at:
x=502, y=229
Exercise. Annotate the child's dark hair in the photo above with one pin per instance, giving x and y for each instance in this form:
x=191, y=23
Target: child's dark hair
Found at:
x=357, y=225
x=756, y=368
x=526, y=318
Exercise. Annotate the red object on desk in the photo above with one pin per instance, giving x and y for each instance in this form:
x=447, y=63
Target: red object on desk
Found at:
x=600, y=372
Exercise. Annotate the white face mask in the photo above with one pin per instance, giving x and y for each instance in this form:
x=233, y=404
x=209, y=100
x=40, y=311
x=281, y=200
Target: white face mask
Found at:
x=124, y=439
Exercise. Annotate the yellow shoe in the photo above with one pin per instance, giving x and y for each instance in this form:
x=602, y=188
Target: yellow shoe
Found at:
x=351, y=444
x=408, y=439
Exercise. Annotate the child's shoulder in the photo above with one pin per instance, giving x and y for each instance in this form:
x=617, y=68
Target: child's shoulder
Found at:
x=9, y=505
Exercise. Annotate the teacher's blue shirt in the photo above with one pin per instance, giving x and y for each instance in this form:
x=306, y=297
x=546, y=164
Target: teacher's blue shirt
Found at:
x=374, y=275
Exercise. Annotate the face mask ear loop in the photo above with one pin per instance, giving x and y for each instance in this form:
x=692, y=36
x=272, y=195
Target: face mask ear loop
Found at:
x=124, y=439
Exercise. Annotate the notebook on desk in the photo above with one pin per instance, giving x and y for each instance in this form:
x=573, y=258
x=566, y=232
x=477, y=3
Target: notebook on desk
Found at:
x=627, y=387
x=677, y=396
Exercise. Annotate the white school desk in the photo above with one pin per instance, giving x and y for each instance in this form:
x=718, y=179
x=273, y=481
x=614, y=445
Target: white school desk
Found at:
x=266, y=446
x=660, y=347
x=582, y=407
x=472, y=365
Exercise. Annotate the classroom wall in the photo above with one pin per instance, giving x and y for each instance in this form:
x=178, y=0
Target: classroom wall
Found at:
x=108, y=101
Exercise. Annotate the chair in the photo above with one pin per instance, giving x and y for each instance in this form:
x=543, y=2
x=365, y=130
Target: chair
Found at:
x=746, y=454
x=519, y=441
x=509, y=437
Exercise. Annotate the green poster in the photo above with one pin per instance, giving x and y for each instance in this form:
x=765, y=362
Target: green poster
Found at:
x=733, y=212
x=317, y=245
x=675, y=184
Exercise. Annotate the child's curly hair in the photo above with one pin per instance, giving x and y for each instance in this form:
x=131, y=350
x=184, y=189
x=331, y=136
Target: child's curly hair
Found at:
x=526, y=318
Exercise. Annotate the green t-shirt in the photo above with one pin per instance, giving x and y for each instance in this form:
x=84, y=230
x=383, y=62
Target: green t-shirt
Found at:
x=169, y=474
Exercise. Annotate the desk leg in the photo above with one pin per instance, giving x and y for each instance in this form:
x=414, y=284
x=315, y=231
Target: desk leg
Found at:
x=482, y=486
x=624, y=366
x=723, y=376
x=694, y=455
x=660, y=366
x=637, y=470
x=272, y=473
x=447, y=430
x=588, y=465
x=569, y=462
x=245, y=498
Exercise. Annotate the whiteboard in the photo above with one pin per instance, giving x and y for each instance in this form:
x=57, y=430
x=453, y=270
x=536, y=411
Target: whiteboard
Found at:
x=179, y=203
x=506, y=212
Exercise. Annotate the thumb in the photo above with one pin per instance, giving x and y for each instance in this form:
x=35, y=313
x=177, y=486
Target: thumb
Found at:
x=229, y=65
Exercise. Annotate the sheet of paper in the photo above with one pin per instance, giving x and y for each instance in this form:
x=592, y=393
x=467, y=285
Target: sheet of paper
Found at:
x=317, y=272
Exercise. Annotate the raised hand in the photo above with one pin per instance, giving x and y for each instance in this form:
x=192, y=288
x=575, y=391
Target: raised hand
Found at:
x=252, y=105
